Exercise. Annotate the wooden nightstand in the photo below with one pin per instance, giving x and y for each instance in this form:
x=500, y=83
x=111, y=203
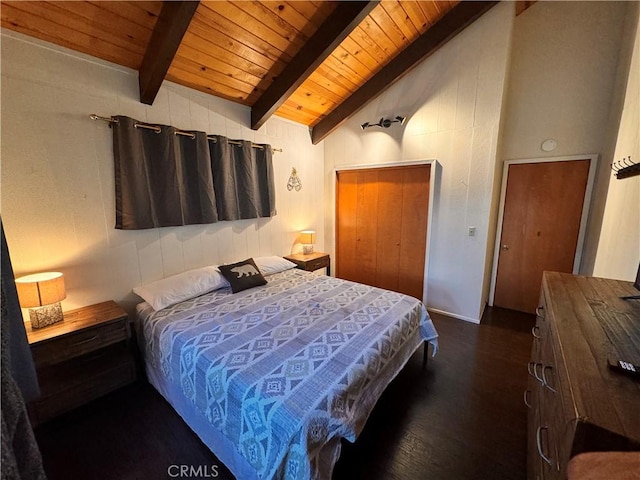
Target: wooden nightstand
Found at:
x=311, y=262
x=83, y=357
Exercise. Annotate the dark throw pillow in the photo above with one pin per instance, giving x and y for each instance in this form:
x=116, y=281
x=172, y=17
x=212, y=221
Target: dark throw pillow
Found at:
x=242, y=275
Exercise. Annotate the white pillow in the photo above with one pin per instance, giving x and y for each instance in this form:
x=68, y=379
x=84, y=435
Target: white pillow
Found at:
x=174, y=289
x=271, y=265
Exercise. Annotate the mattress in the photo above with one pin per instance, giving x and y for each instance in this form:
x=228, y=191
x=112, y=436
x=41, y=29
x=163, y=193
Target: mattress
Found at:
x=271, y=378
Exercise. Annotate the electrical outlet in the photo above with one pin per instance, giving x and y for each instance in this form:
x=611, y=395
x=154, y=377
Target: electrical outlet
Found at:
x=472, y=231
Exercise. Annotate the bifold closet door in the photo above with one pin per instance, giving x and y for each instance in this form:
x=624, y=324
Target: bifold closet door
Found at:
x=381, y=227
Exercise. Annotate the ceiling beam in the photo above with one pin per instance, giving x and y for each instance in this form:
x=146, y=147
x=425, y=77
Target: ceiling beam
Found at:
x=167, y=34
x=453, y=22
x=338, y=25
x=522, y=5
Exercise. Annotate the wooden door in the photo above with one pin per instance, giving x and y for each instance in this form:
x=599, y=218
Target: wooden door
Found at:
x=540, y=227
x=381, y=227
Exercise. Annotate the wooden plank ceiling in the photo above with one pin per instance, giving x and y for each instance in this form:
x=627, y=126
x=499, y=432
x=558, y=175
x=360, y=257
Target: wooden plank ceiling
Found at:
x=298, y=59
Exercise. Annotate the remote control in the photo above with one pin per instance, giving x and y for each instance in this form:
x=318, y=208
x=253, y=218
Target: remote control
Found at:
x=626, y=367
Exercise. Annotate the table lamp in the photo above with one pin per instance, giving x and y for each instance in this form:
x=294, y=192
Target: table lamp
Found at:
x=41, y=293
x=307, y=238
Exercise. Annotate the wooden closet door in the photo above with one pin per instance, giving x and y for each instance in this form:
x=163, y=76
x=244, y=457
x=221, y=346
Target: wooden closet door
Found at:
x=389, y=229
x=415, y=216
x=381, y=227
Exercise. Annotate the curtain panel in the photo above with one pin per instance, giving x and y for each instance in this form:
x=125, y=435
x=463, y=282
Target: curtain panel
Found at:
x=20, y=453
x=164, y=179
x=243, y=179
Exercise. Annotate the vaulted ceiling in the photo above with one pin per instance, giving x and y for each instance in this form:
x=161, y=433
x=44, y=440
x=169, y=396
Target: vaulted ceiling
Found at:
x=314, y=62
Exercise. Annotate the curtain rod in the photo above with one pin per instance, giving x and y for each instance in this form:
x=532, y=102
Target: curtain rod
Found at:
x=157, y=129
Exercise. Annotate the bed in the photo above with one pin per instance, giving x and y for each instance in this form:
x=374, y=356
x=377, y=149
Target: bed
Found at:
x=272, y=377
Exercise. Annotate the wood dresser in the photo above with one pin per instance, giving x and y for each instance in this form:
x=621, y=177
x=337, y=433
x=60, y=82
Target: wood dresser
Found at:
x=576, y=402
x=83, y=357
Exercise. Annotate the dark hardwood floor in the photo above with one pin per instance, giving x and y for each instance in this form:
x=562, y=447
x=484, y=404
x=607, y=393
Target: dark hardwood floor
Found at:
x=461, y=418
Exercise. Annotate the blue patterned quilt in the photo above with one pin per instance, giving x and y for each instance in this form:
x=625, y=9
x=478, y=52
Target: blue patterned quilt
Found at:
x=282, y=370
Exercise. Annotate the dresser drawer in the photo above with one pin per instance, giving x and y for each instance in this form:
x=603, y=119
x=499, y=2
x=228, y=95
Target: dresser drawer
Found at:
x=546, y=427
x=552, y=450
x=546, y=443
x=313, y=265
x=78, y=343
x=75, y=382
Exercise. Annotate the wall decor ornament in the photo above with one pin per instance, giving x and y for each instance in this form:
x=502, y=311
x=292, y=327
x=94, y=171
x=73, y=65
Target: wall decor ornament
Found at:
x=294, y=182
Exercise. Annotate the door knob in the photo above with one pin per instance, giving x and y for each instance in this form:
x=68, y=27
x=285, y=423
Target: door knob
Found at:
x=505, y=247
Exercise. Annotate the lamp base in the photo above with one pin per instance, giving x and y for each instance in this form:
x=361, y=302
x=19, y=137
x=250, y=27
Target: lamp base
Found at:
x=307, y=249
x=46, y=315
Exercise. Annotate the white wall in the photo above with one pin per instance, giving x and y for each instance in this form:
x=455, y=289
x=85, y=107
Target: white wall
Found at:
x=563, y=86
x=57, y=179
x=57, y=176
x=619, y=246
x=453, y=102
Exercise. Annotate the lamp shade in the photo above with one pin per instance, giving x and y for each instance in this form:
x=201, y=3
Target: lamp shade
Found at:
x=308, y=237
x=40, y=289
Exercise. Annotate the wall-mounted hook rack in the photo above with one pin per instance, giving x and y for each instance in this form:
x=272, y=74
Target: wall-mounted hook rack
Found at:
x=625, y=168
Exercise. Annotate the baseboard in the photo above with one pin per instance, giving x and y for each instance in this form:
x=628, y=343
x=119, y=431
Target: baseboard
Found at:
x=453, y=315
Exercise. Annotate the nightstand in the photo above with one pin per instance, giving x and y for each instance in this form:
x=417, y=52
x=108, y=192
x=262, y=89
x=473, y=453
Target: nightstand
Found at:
x=83, y=357
x=311, y=262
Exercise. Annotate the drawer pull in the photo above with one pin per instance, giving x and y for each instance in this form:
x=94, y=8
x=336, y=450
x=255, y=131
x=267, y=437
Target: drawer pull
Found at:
x=535, y=372
x=530, y=367
x=81, y=342
x=544, y=378
x=539, y=444
x=539, y=311
x=534, y=329
x=526, y=398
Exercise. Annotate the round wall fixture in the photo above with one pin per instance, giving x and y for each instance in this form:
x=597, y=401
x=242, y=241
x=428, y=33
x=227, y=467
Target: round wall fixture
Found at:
x=549, y=145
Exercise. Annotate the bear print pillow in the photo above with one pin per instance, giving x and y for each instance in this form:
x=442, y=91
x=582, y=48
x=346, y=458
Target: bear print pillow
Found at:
x=242, y=275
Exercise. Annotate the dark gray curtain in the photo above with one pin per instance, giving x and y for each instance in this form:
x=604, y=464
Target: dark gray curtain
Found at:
x=162, y=179
x=20, y=454
x=14, y=335
x=242, y=178
x=165, y=179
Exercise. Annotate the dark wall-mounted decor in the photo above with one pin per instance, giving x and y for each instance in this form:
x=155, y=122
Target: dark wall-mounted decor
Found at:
x=625, y=168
